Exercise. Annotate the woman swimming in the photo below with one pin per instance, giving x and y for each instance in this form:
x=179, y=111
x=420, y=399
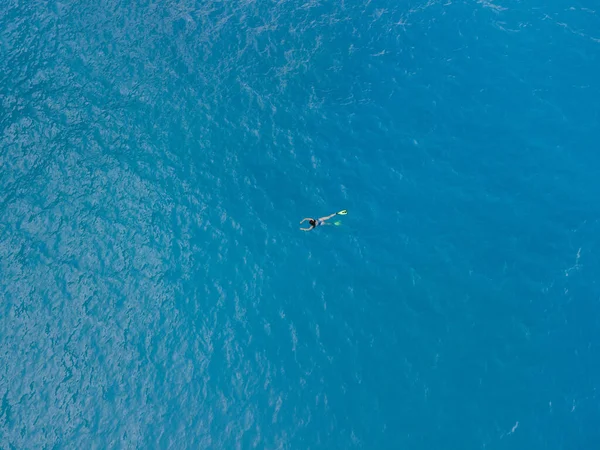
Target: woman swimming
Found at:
x=314, y=223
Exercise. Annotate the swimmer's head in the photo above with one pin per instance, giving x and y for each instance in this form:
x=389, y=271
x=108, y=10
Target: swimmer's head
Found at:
x=312, y=222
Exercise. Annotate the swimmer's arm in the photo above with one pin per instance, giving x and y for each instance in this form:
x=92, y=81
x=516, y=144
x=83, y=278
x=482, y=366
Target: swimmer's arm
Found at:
x=304, y=220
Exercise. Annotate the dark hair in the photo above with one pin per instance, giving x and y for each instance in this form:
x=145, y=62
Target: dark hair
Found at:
x=313, y=222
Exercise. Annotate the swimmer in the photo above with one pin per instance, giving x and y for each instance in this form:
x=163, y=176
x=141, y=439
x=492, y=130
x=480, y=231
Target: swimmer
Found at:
x=314, y=223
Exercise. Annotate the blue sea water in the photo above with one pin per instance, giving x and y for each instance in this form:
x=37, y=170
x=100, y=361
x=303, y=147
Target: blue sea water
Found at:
x=157, y=157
